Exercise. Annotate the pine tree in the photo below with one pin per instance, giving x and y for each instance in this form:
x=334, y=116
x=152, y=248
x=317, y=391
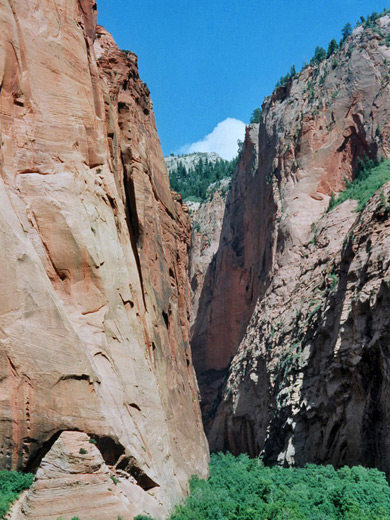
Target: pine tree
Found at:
x=333, y=46
x=319, y=55
x=256, y=116
x=346, y=31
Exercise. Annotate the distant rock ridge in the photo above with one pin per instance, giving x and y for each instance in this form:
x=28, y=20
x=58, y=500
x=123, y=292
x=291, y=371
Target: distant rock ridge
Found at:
x=94, y=310
x=189, y=161
x=290, y=341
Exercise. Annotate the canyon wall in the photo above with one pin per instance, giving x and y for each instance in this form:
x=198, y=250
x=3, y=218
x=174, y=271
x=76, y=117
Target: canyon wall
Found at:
x=291, y=339
x=206, y=219
x=94, y=312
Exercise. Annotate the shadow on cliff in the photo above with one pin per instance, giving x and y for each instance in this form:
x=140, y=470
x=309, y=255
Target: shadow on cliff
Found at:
x=237, y=275
x=344, y=407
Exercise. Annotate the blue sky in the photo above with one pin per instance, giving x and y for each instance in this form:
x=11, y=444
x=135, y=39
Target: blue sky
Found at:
x=206, y=61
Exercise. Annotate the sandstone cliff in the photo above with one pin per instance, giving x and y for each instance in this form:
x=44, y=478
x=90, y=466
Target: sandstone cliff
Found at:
x=291, y=338
x=94, y=312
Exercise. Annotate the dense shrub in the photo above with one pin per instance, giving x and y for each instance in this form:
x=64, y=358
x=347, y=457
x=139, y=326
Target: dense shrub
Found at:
x=369, y=178
x=240, y=488
x=12, y=483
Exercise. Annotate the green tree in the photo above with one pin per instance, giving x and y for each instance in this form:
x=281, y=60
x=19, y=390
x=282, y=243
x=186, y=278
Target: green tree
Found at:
x=293, y=71
x=370, y=176
x=12, y=484
x=256, y=116
x=333, y=46
x=194, y=183
x=346, y=31
x=319, y=55
x=240, y=488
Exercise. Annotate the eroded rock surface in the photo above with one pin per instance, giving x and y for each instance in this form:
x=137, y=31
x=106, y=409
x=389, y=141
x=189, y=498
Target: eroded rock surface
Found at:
x=94, y=312
x=74, y=474
x=291, y=342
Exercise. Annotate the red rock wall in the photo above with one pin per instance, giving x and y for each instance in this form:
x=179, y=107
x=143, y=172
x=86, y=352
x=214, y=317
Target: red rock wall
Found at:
x=95, y=296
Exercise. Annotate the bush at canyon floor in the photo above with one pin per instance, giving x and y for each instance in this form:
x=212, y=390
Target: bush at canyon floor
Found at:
x=240, y=488
x=12, y=483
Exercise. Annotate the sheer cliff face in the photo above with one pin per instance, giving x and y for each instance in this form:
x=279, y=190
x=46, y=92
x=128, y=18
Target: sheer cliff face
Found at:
x=94, y=311
x=291, y=343
x=206, y=218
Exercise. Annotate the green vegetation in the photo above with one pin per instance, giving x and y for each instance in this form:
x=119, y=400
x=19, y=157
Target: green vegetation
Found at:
x=334, y=279
x=240, y=488
x=369, y=178
x=315, y=232
x=114, y=479
x=370, y=20
x=193, y=184
x=289, y=76
x=346, y=32
x=256, y=116
x=319, y=55
x=83, y=451
x=12, y=483
x=332, y=48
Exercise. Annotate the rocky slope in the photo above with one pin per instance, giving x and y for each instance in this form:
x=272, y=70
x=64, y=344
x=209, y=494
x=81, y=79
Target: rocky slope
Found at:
x=94, y=313
x=291, y=338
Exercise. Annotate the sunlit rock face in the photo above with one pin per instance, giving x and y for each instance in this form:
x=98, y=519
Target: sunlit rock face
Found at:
x=291, y=340
x=94, y=311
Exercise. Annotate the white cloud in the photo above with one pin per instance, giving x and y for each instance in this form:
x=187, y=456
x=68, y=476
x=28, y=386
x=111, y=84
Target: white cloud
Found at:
x=222, y=140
